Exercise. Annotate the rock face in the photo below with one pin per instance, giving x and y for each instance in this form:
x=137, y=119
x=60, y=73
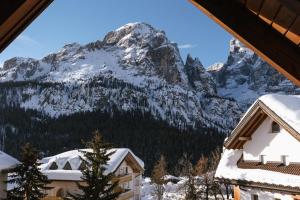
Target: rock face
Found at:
x=135, y=67
x=245, y=77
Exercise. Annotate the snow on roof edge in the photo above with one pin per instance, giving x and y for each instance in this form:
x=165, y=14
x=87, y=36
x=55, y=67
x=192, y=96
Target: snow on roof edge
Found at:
x=227, y=169
x=73, y=157
x=7, y=161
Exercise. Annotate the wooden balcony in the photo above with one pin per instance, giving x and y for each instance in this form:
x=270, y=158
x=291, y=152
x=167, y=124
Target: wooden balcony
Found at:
x=126, y=195
x=52, y=198
x=123, y=178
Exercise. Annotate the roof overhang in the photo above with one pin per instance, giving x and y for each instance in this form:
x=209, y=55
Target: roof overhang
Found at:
x=131, y=160
x=16, y=15
x=251, y=121
x=271, y=28
x=264, y=186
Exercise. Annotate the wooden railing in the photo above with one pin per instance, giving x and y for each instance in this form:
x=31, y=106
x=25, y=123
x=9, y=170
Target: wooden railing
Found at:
x=52, y=198
x=126, y=195
x=123, y=178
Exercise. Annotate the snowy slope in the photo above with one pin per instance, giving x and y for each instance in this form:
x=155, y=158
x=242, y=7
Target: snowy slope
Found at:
x=133, y=68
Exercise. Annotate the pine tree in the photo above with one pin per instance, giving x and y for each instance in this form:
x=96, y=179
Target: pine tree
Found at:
x=191, y=185
x=30, y=183
x=98, y=185
x=158, y=177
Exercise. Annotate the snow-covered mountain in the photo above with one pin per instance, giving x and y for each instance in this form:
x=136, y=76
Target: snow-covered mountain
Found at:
x=245, y=77
x=133, y=68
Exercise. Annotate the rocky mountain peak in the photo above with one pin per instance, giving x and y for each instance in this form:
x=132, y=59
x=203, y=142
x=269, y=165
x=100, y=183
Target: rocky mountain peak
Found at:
x=137, y=34
x=245, y=77
x=195, y=62
x=198, y=77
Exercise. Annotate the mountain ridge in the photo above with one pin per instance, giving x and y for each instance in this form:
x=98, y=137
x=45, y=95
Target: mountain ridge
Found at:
x=245, y=77
x=134, y=67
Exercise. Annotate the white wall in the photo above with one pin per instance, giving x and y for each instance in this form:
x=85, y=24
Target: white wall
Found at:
x=122, y=168
x=246, y=194
x=273, y=145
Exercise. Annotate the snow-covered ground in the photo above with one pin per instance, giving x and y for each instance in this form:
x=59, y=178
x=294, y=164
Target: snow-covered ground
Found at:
x=173, y=191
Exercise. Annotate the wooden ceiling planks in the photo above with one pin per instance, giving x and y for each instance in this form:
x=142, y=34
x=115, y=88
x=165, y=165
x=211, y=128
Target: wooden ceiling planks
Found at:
x=269, y=10
x=254, y=5
x=293, y=5
x=294, y=32
x=284, y=20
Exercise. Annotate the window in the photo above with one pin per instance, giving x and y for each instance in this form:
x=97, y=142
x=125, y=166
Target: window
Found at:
x=126, y=171
x=53, y=166
x=67, y=166
x=275, y=127
x=82, y=166
x=254, y=197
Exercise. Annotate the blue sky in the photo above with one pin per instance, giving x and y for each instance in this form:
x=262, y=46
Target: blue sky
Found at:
x=83, y=21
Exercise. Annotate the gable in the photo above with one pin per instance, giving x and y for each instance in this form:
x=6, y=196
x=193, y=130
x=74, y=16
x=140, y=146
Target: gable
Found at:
x=272, y=145
x=132, y=163
x=254, y=117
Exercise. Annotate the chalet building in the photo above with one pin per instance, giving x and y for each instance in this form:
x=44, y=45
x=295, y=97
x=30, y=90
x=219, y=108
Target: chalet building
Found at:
x=6, y=162
x=64, y=172
x=261, y=157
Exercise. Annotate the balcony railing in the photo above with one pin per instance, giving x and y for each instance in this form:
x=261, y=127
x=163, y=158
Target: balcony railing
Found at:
x=123, y=178
x=126, y=195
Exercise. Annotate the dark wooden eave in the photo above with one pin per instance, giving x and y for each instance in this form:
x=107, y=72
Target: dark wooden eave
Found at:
x=271, y=28
x=16, y=15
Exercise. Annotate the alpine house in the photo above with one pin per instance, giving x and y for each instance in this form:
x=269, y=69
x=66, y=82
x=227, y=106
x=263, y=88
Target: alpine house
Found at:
x=261, y=157
x=6, y=162
x=64, y=172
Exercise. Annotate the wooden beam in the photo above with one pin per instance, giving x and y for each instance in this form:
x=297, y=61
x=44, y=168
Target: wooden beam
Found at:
x=236, y=192
x=269, y=44
x=243, y=138
x=17, y=16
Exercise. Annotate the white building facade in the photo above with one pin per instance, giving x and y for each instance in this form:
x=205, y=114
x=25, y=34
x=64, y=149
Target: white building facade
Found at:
x=261, y=158
x=6, y=162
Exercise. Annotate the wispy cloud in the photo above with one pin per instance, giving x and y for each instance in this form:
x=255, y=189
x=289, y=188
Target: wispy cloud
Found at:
x=27, y=40
x=186, y=46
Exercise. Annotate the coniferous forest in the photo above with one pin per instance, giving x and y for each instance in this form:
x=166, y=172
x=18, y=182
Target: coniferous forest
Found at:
x=147, y=137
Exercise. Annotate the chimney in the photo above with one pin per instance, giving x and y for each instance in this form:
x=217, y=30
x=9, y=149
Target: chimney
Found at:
x=263, y=159
x=285, y=160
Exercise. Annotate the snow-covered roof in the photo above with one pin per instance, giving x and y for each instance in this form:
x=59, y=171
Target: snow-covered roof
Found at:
x=227, y=169
x=74, y=159
x=283, y=108
x=287, y=107
x=6, y=161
